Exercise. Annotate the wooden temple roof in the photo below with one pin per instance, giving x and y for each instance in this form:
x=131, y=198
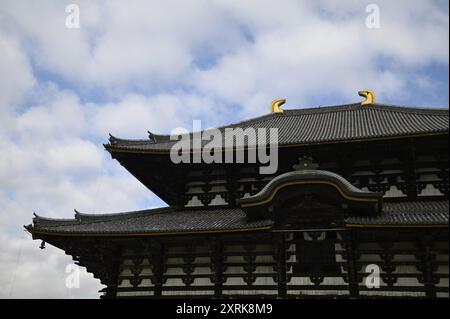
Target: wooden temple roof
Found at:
x=426, y=213
x=321, y=125
x=333, y=124
x=152, y=221
x=169, y=221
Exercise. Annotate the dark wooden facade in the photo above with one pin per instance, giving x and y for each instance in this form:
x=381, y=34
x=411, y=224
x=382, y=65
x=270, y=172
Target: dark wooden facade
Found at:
x=413, y=263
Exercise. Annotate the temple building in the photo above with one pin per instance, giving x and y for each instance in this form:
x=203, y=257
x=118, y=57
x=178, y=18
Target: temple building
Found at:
x=358, y=207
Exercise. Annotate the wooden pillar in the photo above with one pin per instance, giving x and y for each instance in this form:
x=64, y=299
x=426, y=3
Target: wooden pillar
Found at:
x=110, y=263
x=352, y=271
x=280, y=255
x=217, y=266
x=115, y=275
x=427, y=267
x=158, y=268
x=410, y=171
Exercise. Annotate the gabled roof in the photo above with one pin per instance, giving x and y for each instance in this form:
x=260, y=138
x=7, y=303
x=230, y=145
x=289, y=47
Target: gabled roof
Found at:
x=311, y=177
x=322, y=125
x=163, y=221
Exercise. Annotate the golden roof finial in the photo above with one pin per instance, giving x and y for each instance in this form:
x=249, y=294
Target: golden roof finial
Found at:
x=369, y=95
x=275, y=107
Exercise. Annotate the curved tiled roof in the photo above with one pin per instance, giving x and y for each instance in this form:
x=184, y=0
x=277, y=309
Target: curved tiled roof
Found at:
x=331, y=124
x=406, y=213
x=309, y=176
x=168, y=220
x=151, y=221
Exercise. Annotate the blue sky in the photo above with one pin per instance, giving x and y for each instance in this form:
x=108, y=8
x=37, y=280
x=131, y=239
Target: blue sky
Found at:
x=155, y=65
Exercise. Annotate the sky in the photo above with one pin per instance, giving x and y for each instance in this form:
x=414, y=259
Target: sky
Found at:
x=133, y=66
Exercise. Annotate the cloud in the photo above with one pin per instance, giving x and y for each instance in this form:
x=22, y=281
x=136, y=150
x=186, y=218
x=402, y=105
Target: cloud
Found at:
x=227, y=49
x=30, y=269
x=134, y=114
x=49, y=164
x=301, y=56
x=62, y=117
x=148, y=45
x=16, y=76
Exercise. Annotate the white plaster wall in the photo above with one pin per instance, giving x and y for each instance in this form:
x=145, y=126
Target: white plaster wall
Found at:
x=430, y=190
x=393, y=191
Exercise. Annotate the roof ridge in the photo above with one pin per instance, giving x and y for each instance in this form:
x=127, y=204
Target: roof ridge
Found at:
x=40, y=220
x=43, y=218
x=413, y=109
x=358, y=106
x=122, y=216
x=77, y=213
x=428, y=120
x=86, y=218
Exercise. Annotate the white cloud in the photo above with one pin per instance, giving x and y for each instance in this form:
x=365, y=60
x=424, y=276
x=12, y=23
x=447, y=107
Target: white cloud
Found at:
x=412, y=34
x=48, y=165
x=134, y=114
x=16, y=77
x=300, y=56
x=29, y=272
x=291, y=48
x=64, y=116
x=145, y=43
x=74, y=157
